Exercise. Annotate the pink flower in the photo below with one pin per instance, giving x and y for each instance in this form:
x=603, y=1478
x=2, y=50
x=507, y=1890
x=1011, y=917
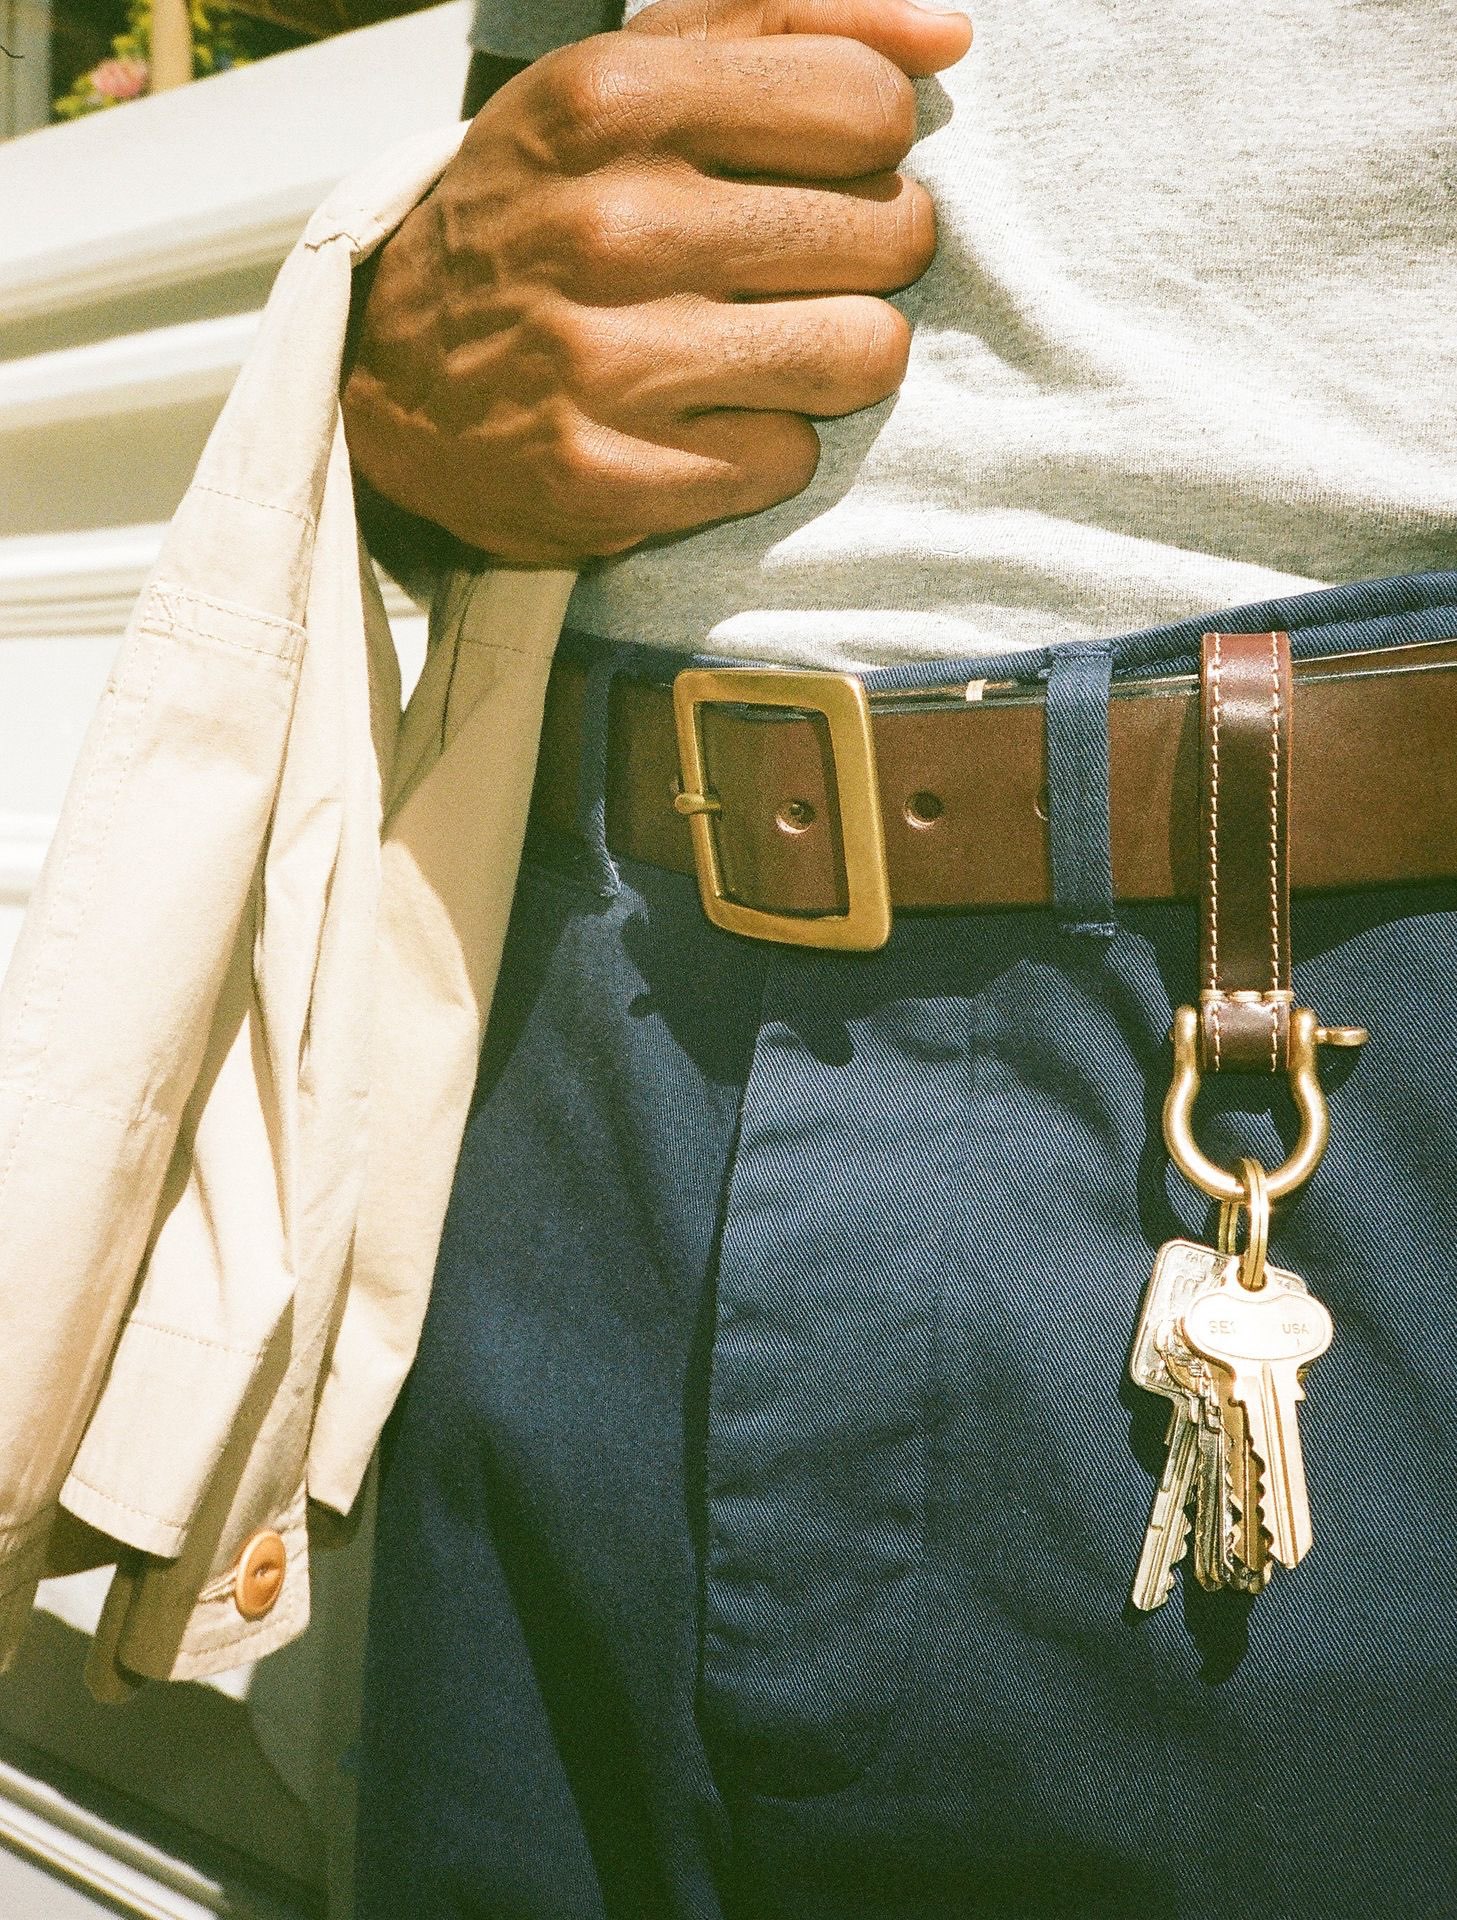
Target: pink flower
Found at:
x=120, y=79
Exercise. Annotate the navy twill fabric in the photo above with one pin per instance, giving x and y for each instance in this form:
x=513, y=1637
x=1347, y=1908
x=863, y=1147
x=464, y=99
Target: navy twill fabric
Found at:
x=1079, y=803
x=757, y=1524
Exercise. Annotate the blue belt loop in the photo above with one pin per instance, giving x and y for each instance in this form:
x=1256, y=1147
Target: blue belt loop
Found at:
x=1078, y=814
x=592, y=767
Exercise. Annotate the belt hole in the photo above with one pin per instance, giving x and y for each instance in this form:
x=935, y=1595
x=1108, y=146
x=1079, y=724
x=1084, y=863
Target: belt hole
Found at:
x=924, y=809
x=794, y=816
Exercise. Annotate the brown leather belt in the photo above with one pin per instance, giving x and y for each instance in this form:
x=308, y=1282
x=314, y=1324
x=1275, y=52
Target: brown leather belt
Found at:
x=808, y=819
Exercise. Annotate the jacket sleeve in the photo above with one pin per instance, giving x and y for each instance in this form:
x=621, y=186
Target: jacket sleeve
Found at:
x=124, y=1009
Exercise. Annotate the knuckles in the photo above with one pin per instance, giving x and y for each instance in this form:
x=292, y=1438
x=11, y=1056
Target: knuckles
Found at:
x=611, y=227
x=585, y=351
x=594, y=96
x=588, y=486
x=574, y=477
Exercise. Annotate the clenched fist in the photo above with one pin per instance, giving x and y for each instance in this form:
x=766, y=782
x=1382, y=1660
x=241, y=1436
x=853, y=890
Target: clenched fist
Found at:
x=656, y=254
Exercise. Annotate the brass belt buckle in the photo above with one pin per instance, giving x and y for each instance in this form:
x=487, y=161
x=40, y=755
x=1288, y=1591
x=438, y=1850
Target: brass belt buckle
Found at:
x=840, y=697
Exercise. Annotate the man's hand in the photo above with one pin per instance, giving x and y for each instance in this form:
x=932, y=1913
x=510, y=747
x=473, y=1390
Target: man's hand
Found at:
x=655, y=255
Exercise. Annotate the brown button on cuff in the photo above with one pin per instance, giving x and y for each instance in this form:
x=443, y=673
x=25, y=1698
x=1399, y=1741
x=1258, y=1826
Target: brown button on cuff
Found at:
x=259, y=1579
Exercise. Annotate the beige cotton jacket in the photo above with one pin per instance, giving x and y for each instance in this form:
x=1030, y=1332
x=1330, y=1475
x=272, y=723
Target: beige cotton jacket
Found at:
x=239, y=1032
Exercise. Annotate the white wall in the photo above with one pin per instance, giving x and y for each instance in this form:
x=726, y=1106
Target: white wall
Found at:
x=135, y=249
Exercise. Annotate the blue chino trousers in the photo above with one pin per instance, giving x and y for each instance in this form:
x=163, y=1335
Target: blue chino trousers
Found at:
x=757, y=1524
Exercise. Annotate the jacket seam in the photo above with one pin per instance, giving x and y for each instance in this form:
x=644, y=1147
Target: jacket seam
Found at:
x=177, y=625
x=244, y=500
x=175, y=590
x=254, y=1632
x=196, y=1339
x=38, y=1096
x=169, y=591
x=500, y=646
x=143, y=1513
x=270, y=1622
x=221, y=1587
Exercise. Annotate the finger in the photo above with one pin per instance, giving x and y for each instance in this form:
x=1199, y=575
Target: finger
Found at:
x=818, y=108
x=629, y=240
x=817, y=356
x=917, y=39
x=719, y=466
x=625, y=489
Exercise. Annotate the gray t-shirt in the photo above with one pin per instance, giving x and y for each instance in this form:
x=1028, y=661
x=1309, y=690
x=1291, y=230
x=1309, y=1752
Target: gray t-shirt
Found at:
x=1190, y=339
x=526, y=29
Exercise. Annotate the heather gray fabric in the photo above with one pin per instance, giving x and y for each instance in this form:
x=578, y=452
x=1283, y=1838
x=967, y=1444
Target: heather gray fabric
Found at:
x=526, y=29
x=1188, y=341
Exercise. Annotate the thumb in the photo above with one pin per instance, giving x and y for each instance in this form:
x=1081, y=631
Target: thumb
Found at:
x=919, y=40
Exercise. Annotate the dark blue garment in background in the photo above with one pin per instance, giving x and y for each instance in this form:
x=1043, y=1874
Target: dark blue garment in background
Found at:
x=758, y=1521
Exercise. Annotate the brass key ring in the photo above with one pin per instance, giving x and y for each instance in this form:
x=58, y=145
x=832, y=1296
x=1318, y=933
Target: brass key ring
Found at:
x=1189, y=1157
x=1257, y=1239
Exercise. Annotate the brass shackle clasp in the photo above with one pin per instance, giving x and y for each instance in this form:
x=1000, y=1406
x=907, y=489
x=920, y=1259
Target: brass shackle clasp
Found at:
x=1188, y=1156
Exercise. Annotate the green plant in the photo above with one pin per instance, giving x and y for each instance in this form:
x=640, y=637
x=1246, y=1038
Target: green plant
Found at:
x=125, y=72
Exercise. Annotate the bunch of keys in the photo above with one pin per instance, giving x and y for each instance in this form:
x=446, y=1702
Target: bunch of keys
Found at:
x=1227, y=1340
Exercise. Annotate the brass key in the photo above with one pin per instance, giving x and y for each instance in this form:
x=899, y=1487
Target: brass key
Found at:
x=1217, y=1536
x=1262, y=1340
x=1167, y=1538
x=1182, y=1271
x=1249, y=1548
